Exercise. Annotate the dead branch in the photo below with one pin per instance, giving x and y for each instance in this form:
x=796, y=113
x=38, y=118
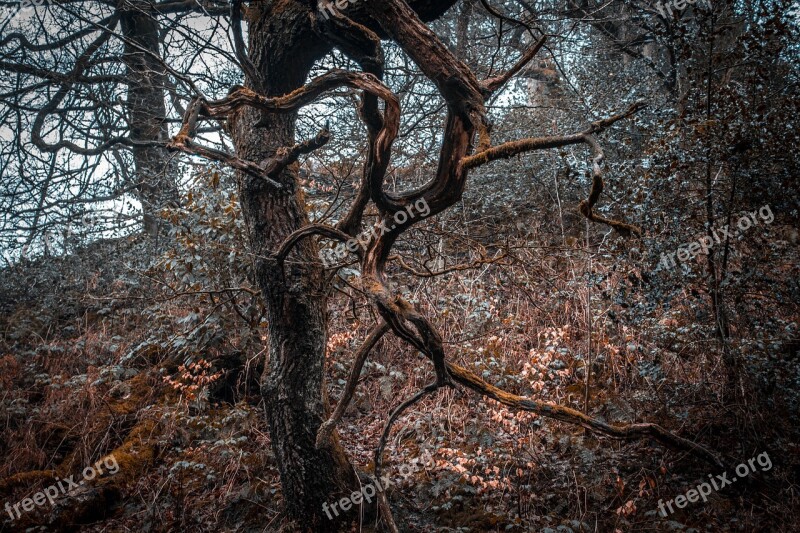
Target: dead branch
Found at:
x=383, y=502
x=512, y=148
x=565, y=414
x=287, y=155
x=585, y=207
x=455, y=268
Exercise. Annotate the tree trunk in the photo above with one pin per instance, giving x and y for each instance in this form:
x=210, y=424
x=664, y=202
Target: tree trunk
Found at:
x=147, y=114
x=282, y=47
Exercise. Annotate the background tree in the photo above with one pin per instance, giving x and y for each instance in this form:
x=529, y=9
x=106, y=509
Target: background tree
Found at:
x=85, y=95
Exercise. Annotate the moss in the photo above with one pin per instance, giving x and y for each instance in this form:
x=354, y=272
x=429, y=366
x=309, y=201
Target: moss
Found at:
x=25, y=478
x=141, y=388
x=136, y=454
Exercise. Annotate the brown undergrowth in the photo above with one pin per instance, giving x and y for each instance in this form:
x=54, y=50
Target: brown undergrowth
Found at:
x=88, y=385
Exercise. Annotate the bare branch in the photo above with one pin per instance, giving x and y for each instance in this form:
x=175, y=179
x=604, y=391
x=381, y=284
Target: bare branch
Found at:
x=455, y=268
x=326, y=429
x=565, y=414
x=288, y=155
x=250, y=70
x=188, y=146
x=492, y=84
x=312, y=229
x=512, y=148
x=585, y=207
x=383, y=502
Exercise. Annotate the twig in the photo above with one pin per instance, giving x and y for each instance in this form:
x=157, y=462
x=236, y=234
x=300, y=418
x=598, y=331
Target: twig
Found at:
x=383, y=502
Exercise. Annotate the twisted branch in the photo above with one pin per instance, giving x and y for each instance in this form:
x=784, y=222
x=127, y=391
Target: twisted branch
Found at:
x=242, y=96
x=585, y=207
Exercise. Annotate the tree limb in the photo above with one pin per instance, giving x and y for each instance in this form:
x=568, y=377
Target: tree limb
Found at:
x=512, y=148
x=565, y=414
x=326, y=429
x=491, y=85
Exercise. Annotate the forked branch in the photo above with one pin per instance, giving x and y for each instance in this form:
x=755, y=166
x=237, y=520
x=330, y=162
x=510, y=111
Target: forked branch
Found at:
x=457, y=86
x=240, y=97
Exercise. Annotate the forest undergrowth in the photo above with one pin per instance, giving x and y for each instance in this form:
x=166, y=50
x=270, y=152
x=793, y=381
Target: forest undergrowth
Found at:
x=158, y=364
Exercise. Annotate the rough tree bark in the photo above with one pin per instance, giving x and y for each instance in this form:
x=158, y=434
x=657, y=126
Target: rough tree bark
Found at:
x=283, y=49
x=283, y=45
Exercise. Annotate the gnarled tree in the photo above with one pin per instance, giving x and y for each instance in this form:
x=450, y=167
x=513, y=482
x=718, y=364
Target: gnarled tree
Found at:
x=286, y=38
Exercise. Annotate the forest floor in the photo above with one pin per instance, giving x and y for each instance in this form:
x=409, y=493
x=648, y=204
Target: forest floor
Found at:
x=83, y=376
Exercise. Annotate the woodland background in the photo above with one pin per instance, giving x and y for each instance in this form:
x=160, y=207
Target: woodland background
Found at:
x=132, y=322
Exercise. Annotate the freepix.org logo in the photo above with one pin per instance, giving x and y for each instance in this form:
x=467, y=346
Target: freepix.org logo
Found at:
x=10, y=12
x=678, y=6
x=332, y=256
x=58, y=489
x=329, y=8
x=705, y=243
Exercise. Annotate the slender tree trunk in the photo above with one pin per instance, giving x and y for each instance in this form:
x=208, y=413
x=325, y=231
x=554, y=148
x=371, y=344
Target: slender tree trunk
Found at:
x=721, y=322
x=283, y=48
x=147, y=114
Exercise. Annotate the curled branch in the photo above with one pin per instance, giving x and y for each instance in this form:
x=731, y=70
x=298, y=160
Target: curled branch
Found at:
x=312, y=229
x=363, y=46
x=242, y=96
x=585, y=207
